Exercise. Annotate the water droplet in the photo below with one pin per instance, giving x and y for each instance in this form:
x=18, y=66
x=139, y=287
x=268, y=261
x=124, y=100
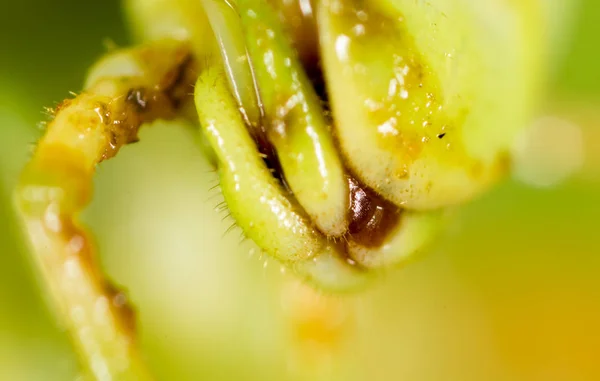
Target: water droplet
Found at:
x=359, y=30
x=51, y=218
x=76, y=244
x=362, y=16
x=77, y=314
x=71, y=268
x=388, y=128
x=342, y=45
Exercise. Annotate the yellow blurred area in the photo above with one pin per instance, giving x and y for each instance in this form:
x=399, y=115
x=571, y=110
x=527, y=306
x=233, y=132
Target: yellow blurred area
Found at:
x=510, y=291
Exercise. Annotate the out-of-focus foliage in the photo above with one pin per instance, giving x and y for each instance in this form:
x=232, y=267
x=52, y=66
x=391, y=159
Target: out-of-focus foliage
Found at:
x=510, y=292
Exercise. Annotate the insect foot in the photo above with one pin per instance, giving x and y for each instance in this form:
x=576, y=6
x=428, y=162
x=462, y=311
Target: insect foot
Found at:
x=341, y=131
x=361, y=139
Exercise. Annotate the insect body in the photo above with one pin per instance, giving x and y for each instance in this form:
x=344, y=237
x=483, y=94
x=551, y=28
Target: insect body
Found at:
x=341, y=129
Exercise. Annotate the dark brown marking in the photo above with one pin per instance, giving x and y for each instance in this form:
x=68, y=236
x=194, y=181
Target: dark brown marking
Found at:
x=119, y=302
x=371, y=217
x=117, y=299
x=177, y=81
x=300, y=28
x=62, y=105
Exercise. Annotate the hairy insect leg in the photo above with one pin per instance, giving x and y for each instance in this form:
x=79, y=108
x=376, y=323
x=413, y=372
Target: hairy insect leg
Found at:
x=123, y=91
x=257, y=200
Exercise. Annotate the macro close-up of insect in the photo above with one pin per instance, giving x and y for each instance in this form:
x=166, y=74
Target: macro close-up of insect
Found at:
x=341, y=140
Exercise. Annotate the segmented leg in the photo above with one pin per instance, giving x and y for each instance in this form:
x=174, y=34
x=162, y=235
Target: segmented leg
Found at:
x=125, y=90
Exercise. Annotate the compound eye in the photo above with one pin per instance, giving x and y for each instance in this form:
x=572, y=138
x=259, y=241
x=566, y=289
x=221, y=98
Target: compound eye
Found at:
x=417, y=95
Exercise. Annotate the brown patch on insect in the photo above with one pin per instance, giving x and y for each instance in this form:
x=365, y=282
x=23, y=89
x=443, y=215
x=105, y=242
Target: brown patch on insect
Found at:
x=371, y=217
x=178, y=82
x=119, y=302
x=123, y=116
x=122, y=121
x=62, y=105
x=78, y=244
x=297, y=18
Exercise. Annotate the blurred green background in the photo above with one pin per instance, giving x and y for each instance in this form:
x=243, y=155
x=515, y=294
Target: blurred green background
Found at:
x=510, y=292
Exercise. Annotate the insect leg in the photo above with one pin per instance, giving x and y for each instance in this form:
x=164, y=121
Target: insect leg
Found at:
x=125, y=90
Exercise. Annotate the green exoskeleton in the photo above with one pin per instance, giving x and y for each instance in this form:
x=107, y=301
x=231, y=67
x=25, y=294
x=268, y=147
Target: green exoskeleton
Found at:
x=341, y=131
